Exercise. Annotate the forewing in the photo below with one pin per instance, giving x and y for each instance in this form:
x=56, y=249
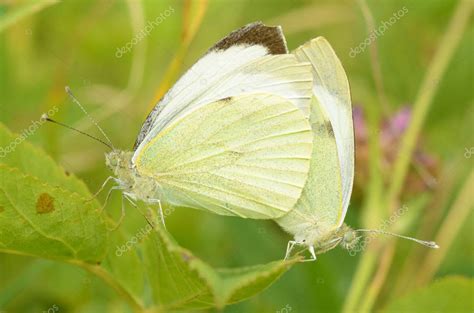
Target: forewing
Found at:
x=246, y=61
x=247, y=156
x=331, y=87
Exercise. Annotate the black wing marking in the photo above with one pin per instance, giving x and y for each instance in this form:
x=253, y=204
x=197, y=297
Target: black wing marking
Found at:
x=271, y=37
x=255, y=34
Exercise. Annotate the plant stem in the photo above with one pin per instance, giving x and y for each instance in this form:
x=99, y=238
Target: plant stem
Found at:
x=433, y=77
x=456, y=217
x=432, y=217
x=371, y=208
x=379, y=278
x=361, y=277
x=436, y=70
x=374, y=57
x=192, y=18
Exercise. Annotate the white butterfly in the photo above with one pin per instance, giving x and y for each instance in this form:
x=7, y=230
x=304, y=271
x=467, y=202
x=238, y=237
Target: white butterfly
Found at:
x=317, y=221
x=318, y=217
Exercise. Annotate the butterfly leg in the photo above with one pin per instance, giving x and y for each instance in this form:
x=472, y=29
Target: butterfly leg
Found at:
x=162, y=216
x=101, y=188
x=160, y=210
x=122, y=215
x=313, y=255
x=289, y=247
x=130, y=200
x=108, y=196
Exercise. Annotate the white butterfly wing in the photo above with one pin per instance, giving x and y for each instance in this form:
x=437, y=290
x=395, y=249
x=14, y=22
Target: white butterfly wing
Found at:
x=319, y=207
x=243, y=62
x=331, y=87
x=247, y=156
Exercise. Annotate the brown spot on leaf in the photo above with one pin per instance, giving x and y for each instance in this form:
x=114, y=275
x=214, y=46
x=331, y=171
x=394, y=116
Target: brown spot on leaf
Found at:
x=44, y=204
x=2, y=209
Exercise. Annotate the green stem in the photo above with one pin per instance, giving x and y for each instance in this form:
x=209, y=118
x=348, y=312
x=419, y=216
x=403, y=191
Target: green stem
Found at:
x=433, y=77
x=374, y=57
x=371, y=209
x=457, y=216
x=361, y=278
x=378, y=278
x=447, y=181
x=436, y=70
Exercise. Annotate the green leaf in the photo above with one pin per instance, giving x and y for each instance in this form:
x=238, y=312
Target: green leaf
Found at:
x=15, y=152
x=118, y=263
x=179, y=280
x=43, y=212
x=450, y=294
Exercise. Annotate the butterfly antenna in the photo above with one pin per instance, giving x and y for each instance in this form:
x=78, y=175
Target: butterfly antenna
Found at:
x=429, y=244
x=46, y=118
x=69, y=92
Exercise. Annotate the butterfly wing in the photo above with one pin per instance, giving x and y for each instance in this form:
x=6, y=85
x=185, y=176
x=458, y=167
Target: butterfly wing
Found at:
x=246, y=61
x=331, y=88
x=321, y=200
x=246, y=155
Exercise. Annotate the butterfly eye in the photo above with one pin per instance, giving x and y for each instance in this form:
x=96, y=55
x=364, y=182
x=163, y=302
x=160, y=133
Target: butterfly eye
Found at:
x=348, y=237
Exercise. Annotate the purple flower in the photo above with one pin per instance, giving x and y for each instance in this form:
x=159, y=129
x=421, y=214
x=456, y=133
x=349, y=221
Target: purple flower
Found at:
x=391, y=133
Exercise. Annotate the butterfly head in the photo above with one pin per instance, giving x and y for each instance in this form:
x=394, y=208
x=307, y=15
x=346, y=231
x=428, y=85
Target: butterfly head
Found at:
x=344, y=236
x=349, y=237
x=136, y=186
x=120, y=163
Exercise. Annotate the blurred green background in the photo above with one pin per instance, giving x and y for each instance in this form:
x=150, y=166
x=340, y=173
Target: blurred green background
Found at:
x=45, y=45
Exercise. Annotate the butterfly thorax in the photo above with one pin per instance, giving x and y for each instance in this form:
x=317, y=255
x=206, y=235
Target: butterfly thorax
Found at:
x=134, y=185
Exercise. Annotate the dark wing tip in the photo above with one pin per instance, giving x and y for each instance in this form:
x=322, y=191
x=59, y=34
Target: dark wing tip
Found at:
x=257, y=33
x=226, y=99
